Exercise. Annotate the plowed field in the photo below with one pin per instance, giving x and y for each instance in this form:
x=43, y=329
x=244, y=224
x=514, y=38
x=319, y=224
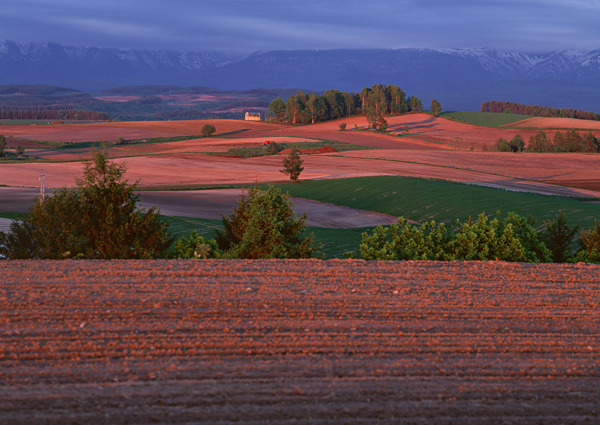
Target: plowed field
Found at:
x=304, y=341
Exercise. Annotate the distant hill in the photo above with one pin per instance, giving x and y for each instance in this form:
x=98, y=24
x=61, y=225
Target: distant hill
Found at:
x=459, y=78
x=133, y=102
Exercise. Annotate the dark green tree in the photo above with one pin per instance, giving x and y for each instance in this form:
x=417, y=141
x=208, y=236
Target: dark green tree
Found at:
x=277, y=109
x=208, y=130
x=558, y=237
x=539, y=143
x=2, y=145
x=53, y=229
x=589, y=241
x=436, y=107
x=100, y=218
x=517, y=144
x=502, y=145
x=274, y=148
x=292, y=165
x=264, y=225
x=294, y=106
x=196, y=246
x=397, y=100
x=415, y=104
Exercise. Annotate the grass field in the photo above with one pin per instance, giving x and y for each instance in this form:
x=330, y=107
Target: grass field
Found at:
x=484, y=119
x=249, y=152
x=422, y=200
x=334, y=242
x=415, y=199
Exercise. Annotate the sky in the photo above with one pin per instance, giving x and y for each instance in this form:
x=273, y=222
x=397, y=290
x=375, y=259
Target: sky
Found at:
x=241, y=26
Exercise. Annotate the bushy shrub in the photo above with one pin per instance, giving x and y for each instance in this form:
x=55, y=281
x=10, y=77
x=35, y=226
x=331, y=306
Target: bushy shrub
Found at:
x=273, y=148
x=539, y=143
x=100, y=218
x=405, y=241
x=196, y=246
x=264, y=225
x=208, y=130
x=485, y=239
x=517, y=144
x=501, y=145
x=513, y=239
x=589, y=241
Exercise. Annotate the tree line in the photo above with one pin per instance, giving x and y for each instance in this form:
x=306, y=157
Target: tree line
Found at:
x=51, y=115
x=101, y=218
x=375, y=102
x=514, y=238
x=537, y=110
x=568, y=141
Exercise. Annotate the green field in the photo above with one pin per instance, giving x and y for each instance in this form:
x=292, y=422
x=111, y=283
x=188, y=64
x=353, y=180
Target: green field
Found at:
x=249, y=152
x=484, y=119
x=422, y=200
x=415, y=199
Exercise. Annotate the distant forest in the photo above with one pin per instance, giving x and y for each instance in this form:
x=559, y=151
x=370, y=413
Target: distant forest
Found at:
x=537, y=110
x=374, y=102
x=51, y=115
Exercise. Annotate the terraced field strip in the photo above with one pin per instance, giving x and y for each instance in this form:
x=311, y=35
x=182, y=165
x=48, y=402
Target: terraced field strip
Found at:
x=298, y=341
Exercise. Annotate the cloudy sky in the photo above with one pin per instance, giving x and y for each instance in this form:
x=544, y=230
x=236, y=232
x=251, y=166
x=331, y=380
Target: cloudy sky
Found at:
x=245, y=26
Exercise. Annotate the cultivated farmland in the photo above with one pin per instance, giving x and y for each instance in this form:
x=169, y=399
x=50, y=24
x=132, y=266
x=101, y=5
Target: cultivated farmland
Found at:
x=432, y=148
x=304, y=341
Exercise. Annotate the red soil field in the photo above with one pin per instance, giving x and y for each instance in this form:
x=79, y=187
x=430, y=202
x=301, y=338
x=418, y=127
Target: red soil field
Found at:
x=301, y=341
x=111, y=131
x=578, y=170
x=559, y=123
x=438, y=148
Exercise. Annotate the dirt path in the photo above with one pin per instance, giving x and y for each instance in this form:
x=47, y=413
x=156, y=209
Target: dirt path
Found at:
x=306, y=341
x=214, y=204
x=217, y=203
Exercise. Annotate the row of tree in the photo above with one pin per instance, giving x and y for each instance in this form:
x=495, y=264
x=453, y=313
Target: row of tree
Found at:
x=537, y=110
x=512, y=239
x=374, y=102
x=51, y=115
x=568, y=141
x=101, y=218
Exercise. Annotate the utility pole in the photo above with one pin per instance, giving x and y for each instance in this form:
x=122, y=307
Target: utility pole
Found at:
x=42, y=185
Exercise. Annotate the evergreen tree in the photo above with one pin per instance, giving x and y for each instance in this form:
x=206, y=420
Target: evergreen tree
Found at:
x=558, y=237
x=264, y=225
x=100, y=218
x=292, y=165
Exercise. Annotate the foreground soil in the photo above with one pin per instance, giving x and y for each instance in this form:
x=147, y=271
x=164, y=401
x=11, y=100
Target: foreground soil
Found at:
x=306, y=341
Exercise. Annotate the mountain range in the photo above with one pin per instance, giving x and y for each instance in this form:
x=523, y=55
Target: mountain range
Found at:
x=459, y=78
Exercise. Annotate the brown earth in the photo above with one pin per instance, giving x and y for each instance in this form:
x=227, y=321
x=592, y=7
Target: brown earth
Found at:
x=305, y=341
x=214, y=204
x=187, y=170
x=111, y=131
x=558, y=123
x=437, y=148
x=578, y=170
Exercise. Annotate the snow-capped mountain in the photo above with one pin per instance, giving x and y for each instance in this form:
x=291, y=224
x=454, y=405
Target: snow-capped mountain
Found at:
x=458, y=78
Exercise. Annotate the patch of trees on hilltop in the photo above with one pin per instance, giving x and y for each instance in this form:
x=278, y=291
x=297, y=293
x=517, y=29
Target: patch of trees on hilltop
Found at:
x=537, y=110
x=51, y=115
x=570, y=141
x=374, y=103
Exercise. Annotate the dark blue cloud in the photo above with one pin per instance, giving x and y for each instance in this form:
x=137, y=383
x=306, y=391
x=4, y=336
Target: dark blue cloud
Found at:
x=246, y=26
